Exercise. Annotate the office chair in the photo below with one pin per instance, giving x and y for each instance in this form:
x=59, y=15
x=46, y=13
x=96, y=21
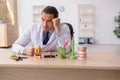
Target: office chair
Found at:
x=71, y=29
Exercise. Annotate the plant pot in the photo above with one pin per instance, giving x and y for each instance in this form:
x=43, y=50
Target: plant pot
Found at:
x=1, y=21
x=118, y=36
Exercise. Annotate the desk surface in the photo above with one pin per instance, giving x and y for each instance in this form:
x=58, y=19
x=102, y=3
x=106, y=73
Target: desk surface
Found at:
x=98, y=57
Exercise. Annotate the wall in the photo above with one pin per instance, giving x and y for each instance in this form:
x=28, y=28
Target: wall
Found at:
x=105, y=12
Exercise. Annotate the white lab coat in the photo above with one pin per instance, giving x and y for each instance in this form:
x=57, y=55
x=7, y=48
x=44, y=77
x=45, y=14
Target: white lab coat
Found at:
x=34, y=34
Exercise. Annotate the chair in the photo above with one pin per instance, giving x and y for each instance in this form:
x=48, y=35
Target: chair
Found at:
x=71, y=29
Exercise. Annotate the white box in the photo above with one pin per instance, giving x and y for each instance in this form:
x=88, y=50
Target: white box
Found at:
x=7, y=35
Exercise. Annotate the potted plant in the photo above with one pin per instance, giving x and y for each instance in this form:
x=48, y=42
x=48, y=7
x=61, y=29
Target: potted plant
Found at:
x=117, y=28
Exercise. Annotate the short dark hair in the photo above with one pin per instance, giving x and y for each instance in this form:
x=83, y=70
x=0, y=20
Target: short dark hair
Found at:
x=51, y=10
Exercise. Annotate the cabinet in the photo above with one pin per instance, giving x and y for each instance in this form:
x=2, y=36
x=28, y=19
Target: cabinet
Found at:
x=7, y=35
x=37, y=12
x=86, y=24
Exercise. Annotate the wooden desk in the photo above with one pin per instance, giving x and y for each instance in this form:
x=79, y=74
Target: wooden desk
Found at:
x=102, y=63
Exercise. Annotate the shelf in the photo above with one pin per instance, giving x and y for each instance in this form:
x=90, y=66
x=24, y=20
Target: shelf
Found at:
x=37, y=9
x=86, y=21
x=86, y=14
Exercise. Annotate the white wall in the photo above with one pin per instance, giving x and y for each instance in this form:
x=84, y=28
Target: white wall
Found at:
x=105, y=12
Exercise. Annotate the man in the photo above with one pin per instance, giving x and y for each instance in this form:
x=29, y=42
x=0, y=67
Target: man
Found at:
x=36, y=34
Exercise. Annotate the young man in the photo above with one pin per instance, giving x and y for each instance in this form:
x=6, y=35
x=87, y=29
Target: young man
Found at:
x=49, y=26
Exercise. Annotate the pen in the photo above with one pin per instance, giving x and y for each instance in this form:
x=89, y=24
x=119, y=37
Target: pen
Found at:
x=65, y=44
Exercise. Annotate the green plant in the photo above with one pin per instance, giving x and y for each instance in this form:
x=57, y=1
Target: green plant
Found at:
x=117, y=28
x=1, y=17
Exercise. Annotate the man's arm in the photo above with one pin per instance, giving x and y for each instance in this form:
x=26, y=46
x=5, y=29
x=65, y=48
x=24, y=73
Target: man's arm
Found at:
x=62, y=33
x=56, y=24
x=19, y=45
x=63, y=36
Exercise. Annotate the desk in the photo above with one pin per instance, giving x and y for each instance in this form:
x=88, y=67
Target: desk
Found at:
x=102, y=63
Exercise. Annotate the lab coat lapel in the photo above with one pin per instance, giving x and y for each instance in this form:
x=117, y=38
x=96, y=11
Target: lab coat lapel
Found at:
x=51, y=43
x=41, y=37
x=52, y=38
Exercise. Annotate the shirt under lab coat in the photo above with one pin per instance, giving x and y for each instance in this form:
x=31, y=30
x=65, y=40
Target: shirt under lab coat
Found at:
x=34, y=34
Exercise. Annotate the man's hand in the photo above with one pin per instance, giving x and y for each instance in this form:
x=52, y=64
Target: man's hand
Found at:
x=56, y=24
x=28, y=51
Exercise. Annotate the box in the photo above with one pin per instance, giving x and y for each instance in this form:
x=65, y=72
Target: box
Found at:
x=7, y=35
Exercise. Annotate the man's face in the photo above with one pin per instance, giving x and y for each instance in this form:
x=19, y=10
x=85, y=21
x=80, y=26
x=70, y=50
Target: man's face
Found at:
x=46, y=21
